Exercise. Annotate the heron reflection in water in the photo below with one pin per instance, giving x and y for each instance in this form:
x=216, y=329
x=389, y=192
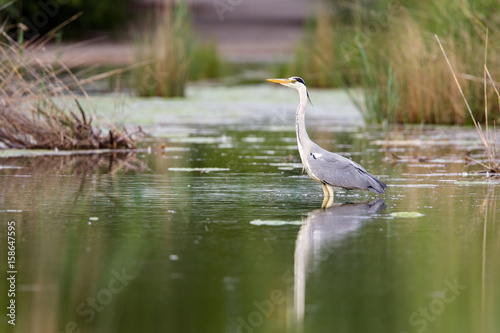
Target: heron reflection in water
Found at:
x=320, y=233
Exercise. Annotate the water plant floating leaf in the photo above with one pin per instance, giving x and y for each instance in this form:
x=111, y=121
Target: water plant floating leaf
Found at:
x=407, y=214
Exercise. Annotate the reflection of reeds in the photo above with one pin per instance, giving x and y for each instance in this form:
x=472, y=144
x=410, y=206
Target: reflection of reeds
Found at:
x=81, y=170
x=76, y=164
x=39, y=110
x=63, y=256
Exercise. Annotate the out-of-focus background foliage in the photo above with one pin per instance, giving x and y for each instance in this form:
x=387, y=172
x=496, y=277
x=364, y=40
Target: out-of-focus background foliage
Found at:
x=98, y=16
x=385, y=48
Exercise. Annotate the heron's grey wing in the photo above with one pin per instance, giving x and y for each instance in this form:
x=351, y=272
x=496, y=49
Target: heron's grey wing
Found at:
x=339, y=171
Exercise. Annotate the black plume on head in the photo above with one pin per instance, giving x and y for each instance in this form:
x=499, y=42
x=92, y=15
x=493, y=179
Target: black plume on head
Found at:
x=299, y=79
x=309, y=98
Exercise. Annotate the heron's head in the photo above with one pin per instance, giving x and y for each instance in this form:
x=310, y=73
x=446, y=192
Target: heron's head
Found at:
x=292, y=82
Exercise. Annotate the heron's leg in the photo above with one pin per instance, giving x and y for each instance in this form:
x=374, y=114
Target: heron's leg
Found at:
x=327, y=202
x=330, y=202
x=328, y=198
x=330, y=190
x=325, y=190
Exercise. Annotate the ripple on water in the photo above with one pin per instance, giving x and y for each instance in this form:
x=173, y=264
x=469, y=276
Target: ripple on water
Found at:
x=198, y=169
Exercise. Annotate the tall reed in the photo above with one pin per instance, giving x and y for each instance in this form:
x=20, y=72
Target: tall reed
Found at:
x=172, y=53
x=318, y=58
x=489, y=140
x=166, y=46
x=387, y=49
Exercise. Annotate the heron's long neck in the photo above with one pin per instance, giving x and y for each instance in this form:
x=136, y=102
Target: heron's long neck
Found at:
x=300, y=124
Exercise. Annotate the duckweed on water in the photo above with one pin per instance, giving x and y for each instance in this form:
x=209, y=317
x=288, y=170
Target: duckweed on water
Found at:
x=407, y=214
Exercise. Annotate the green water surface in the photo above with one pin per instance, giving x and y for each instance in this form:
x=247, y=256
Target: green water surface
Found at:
x=217, y=230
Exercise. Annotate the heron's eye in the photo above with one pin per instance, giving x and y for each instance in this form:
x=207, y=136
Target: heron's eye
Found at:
x=293, y=80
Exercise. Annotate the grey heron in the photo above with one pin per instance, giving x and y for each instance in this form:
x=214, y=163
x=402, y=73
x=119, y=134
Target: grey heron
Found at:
x=330, y=169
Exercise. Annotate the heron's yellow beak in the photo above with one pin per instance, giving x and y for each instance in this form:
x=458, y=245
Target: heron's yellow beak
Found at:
x=280, y=81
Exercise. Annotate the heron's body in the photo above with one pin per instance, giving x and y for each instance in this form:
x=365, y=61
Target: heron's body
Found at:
x=330, y=169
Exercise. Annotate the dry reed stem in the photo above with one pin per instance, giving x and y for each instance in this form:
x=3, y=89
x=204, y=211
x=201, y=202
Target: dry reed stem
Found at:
x=480, y=132
x=485, y=86
x=490, y=152
x=38, y=110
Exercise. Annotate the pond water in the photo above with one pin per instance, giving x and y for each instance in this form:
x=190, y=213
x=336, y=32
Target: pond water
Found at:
x=215, y=229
